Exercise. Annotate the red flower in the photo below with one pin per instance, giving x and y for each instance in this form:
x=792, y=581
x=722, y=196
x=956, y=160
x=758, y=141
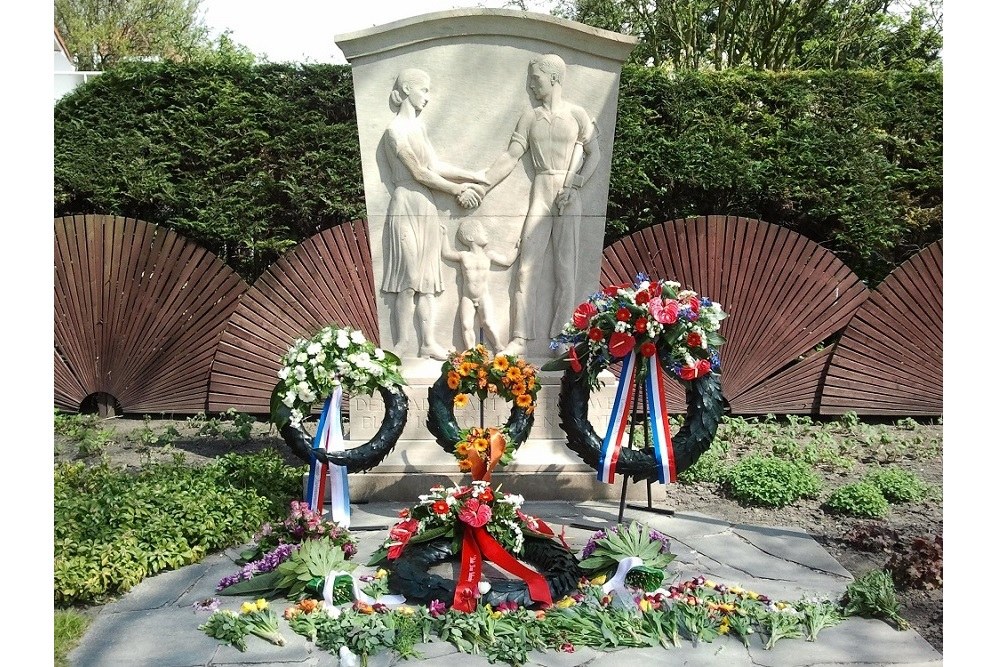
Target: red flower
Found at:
x=694, y=339
x=486, y=496
x=475, y=514
x=665, y=313
x=595, y=334
x=620, y=344
x=574, y=360
x=641, y=324
x=583, y=314
x=689, y=373
x=642, y=297
x=695, y=304
x=612, y=290
x=655, y=289
x=400, y=534
x=439, y=507
x=623, y=314
x=704, y=367
x=647, y=349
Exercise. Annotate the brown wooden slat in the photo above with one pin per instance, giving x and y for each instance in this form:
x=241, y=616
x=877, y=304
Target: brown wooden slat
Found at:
x=889, y=360
x=315, y=284
x=795, y=390
x=141, y=308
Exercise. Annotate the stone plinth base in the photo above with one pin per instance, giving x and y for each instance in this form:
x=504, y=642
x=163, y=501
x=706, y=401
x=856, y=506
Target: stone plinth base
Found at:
x=543, y=467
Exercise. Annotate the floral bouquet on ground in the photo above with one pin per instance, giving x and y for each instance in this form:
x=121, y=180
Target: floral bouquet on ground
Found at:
x=644, y=550
x=653, y=317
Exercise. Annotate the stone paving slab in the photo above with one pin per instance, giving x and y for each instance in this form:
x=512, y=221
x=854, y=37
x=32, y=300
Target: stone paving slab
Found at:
x=155, y=625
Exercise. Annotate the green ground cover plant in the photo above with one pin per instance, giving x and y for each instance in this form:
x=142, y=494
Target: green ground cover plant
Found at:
x=769, y=481
x=860, y=499
x=896, y=485
x=114, y=527
x=69, y=626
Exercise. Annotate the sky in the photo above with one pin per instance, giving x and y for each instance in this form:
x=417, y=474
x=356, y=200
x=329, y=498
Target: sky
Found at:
x=303, y=30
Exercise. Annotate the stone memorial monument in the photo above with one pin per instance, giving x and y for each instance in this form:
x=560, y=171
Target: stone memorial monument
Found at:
x=486, y=138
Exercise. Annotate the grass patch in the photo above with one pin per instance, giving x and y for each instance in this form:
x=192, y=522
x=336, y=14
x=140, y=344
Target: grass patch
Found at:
x=69, y=626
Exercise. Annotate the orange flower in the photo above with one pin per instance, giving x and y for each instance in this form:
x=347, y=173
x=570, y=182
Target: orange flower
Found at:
x=501, y=363
x=453, y=380
x=531, y=382
x=462, y=449
x=514, y=373
x=461, y=400
x=309, y=605
x=481, y=444
x=465, y=465
x=492, y=388
x=518, y=388
x=465, y=368
x=523, y=401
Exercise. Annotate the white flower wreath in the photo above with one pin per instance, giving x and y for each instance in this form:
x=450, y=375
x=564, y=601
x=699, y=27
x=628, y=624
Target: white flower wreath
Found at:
x=312, y=368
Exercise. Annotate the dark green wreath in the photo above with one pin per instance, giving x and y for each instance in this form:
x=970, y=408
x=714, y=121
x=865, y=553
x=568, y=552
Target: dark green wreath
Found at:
x=410, y=575
x=443, y=426
x=704, y=411
x=357, y=459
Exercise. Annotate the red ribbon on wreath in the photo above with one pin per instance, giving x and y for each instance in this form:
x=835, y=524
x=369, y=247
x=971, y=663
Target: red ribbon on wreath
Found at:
x=478, y=545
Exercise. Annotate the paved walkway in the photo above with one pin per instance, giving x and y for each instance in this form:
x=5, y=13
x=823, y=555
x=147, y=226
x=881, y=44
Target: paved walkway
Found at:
x=154, y=624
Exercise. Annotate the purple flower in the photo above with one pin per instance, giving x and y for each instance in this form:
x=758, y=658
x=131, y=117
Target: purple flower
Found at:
x=591, y=545
x=349, y=549
x=662, y=539
x=436, y=608
x=208, y=604
x=270, y=561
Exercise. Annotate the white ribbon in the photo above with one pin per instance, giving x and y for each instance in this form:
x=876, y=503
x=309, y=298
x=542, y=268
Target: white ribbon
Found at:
x=390, y=601
x=617, y=583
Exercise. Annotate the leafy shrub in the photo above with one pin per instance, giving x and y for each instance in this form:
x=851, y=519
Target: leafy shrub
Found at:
x=769, y=481
x=113, y=528
x=710, y=466
x=860, y=499
x=897, y=485
x=83, y=431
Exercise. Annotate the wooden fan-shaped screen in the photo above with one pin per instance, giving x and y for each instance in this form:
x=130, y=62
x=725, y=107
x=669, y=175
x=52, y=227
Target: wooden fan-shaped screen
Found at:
x=784, y=295
x=889, y=360
x=138, y=313
x=327, y=279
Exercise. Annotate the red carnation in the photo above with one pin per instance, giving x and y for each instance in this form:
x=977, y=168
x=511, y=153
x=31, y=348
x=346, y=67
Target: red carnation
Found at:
x=583, y=314
x=704, y=367
x=641, y=324
x=595, y=334
x=486, y=495
x=574, y=360
x=689, y=372
x=655, y=289
x=647, y=349
x=623, y=314
x=612, y=290
x=695, y=304
x=642, y=297
x=694, y=339
x=620, y=344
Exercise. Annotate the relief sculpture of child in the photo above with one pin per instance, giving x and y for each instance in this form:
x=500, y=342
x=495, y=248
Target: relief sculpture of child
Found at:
x=474, y=267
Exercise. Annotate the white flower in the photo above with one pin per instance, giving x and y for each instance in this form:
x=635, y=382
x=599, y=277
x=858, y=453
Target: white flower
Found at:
x=283, y=373
x=484, y=587
x=300, y=373
x=289, y=399
x=326, y=337
x=683, y=295
x=314, y=348
x=301, y=357
x=295, y=418
x=357, y=337
x=321, y=357
x=621, y=326
x=343, y=342
x=379, y=353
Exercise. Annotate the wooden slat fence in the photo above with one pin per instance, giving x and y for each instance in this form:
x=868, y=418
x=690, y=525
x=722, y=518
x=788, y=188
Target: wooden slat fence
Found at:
x=138, y=314
x=327, y=279
x=163, y=326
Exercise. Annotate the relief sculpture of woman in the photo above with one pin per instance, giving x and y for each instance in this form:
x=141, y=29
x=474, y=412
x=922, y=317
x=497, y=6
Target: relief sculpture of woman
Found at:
x=412, y=236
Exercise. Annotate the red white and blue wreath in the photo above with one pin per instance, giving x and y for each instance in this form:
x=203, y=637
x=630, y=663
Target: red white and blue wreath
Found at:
x=657, y=330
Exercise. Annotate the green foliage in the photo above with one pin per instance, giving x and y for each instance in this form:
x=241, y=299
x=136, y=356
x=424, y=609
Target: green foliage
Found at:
x=265, y=475
x=250, y=160
x=873, y=595
x=84, y=432
x=897, y=485
x=860, y=499
x=231, y=425
x=113, y=528
x=69, y=627
x=102, y=33
x=245, y=160
x=769, y=481
x=710, y=466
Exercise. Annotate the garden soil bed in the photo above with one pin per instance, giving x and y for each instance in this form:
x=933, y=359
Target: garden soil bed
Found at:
x=860, y=545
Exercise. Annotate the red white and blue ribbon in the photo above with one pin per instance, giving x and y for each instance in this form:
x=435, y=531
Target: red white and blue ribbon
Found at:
x=330, y=438
x=656, y=400
x=618, y=422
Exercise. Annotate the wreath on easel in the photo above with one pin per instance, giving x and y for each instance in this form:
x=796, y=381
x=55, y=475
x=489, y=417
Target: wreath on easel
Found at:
x=314, y=368
x=658, y=331
x=476, y=372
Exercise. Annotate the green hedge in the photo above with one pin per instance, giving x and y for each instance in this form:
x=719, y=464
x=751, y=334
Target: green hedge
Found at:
x=249, y=160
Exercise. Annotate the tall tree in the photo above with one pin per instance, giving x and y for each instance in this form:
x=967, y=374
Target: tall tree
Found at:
x=101, y=33
x=772, y=34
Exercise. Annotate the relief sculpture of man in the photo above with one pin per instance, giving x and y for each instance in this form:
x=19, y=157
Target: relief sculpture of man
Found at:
x=412, y=236
x=562, y=140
